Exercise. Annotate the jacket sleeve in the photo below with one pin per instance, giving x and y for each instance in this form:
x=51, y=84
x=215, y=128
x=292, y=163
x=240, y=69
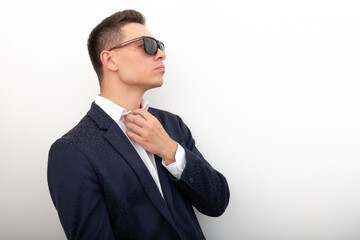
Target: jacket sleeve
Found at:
x=200, y=183
x=76, y=194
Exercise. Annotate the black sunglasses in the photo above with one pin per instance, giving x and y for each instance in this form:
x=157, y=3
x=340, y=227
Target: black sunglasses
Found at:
x=151, y=45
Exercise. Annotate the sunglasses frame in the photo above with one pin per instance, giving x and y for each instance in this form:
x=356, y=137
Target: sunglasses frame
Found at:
x=158, y=44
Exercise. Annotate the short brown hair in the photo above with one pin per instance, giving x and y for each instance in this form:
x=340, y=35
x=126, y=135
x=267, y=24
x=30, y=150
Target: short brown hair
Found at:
x=108, y=33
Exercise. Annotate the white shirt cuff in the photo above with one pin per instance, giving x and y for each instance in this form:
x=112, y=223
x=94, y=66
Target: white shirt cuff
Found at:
x=176, y=168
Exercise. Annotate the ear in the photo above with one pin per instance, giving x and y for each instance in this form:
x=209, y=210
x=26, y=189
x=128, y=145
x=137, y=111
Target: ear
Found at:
x=107, y=59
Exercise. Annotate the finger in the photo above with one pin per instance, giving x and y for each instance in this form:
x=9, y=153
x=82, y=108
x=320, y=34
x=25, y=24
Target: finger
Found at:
x=133, y=136
x=135, y=119
x=135, y=128
x=142, y=112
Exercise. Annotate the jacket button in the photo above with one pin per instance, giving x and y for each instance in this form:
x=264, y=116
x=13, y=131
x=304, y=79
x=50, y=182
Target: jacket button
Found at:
x=191, y=180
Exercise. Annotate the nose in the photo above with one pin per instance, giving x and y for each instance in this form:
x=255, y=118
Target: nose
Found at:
x=160, y=55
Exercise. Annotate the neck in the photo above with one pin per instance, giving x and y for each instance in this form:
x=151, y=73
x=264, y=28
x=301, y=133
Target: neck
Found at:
x=126, y=97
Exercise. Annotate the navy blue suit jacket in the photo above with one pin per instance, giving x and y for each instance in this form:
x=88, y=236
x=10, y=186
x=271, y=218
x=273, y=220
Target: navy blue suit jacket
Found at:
x=102, y=189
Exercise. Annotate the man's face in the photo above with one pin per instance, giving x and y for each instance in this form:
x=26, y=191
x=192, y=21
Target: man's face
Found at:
x=136, y=68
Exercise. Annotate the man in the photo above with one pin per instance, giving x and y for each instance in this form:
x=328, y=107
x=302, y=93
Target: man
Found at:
x=129, y=171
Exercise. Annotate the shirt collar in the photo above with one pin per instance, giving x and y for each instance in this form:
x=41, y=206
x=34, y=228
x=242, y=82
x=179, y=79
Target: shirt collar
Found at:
x=115, y=111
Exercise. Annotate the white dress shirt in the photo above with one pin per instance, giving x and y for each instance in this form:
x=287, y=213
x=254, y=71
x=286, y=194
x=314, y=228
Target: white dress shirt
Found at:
x=118, y=113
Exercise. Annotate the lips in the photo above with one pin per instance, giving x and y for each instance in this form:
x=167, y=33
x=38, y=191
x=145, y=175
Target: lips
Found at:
x=161, y=67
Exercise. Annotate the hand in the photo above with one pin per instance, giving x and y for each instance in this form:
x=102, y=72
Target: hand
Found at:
x=150, y=134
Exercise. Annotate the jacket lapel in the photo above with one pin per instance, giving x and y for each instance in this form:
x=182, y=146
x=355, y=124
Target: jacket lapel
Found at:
x=115, y=136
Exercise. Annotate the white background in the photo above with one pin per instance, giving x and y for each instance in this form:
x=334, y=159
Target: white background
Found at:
x=270, y=90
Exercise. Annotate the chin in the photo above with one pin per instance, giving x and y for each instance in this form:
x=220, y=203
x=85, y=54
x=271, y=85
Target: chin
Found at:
x=157, y=84
x=154, y=83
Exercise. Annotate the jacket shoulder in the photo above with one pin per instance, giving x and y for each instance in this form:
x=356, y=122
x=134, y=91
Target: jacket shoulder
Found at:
x=90, y=126
x=85, y=131
x=162, y=113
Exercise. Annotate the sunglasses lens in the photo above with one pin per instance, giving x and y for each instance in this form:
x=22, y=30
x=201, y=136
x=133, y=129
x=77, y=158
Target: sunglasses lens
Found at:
x=161, y=46
x=150, y=46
